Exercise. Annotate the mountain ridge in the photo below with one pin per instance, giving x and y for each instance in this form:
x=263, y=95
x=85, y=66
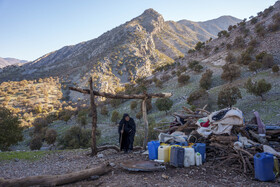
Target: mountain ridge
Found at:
x=10, y=61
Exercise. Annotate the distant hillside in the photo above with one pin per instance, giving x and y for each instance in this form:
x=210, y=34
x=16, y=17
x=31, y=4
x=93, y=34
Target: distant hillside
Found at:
x=10, y=61
x=207, y=29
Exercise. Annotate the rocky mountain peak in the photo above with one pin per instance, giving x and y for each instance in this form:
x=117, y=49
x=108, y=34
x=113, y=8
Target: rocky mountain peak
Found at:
x=151, y=20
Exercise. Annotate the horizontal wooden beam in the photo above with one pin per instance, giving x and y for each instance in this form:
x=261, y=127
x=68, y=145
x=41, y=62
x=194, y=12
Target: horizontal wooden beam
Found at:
x=121, y=96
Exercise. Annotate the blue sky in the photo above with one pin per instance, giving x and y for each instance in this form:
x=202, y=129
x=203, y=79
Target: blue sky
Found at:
x=32, y=28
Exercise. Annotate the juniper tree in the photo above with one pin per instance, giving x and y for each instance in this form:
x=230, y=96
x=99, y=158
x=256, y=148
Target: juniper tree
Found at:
x=257, y=88
x=206, y=81
x=228, y=96
x=164, y=104
x=230, y=72
x=11, y=131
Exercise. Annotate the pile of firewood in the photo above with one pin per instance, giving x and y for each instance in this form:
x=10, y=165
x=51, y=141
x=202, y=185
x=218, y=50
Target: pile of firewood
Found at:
x=220, y=148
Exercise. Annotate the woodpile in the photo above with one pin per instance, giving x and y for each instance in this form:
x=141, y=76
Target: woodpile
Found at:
x=220, y=148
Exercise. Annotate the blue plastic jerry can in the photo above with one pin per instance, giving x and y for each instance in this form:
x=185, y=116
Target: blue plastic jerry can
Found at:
x=263, y=164
x=201, y=148
x=153, y=149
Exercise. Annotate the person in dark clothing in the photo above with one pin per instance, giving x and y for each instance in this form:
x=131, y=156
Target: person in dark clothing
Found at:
x=127, y=130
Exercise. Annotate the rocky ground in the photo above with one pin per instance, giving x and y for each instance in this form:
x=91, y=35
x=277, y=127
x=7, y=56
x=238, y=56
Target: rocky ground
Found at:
x=54, y=163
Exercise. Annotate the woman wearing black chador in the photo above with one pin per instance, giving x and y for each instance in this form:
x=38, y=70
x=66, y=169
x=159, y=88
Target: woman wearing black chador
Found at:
x=127, y=129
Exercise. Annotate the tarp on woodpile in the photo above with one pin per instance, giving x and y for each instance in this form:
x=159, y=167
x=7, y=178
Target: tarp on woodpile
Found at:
x=220, y=122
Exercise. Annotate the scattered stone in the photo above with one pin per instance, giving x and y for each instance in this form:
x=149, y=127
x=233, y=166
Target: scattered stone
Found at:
x=100, y=155
x=112, y=164
x=164, y=176
x=94, y=177
x=16, y=160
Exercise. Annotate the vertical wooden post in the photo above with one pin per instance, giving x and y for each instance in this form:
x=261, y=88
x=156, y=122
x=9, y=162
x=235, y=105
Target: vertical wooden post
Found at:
x=146, y=124
x=94, y=120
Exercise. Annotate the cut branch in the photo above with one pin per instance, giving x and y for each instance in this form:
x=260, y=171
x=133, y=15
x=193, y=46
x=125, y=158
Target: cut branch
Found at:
x=121, y=96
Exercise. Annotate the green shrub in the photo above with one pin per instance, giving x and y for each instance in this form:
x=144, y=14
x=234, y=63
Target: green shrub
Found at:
x=257, y=88
x=40, y=126
x=230, y=72
x=104, y=111
x=198, y=98
x=183, y=79
x=239, y=42
x=83, y=118
x=260, y=29
x=228, y=96
x=11, y=131
x=273, y=27
x=228, y=46
x=275, y=69
x=115, y=102
x=206, y=80
x=50, y=136
x=253, y=43
x=115, y=116
x=230, y=58
x=192, y=64
x=178, y=73
x=38, y=109
x=198, y=68
x=133, y=105
x=254, y=20
x=76, y=137
x=223, y=33
x=268, y=61
x=139, y=115
x=199, y=45
x=164, y=104
x=260, y=56
x=245, y=58
x=159, y=83
x=165, y=77
x=255, y=66
x=36, y=143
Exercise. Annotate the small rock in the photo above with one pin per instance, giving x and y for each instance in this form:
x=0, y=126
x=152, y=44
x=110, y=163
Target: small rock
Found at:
x=16, y=160
x=100, y=155
x=94, y=177
x=164, y=176
x=112, y=164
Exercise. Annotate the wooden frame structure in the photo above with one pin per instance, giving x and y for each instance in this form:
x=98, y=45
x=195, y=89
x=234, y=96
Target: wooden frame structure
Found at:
x=94, y=93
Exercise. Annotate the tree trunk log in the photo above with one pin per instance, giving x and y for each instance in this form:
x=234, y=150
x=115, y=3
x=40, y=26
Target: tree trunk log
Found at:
x=224, y=138
x=146, y=124
x=53, y=180
x=94, y=119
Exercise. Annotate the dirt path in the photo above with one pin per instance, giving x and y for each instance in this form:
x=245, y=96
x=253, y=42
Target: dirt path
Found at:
x=75, y=160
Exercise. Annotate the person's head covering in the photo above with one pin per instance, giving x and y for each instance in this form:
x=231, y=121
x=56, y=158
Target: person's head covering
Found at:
x=125, y=115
